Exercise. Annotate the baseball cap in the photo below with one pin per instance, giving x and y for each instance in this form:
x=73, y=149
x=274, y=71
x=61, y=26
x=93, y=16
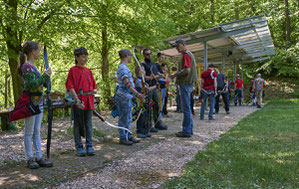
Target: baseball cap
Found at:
x=259, y=75
x=238, y=75
x=178, y=41
x=80, y=50
x=124, y=52
x=211, y=66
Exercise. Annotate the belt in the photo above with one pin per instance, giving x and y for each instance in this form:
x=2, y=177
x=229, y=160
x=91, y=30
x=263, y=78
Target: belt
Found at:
x=87, y=93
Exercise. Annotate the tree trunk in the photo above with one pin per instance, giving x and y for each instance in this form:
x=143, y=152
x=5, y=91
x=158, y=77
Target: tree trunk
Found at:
x=105, y=65
x=288, y=24
x=236, y=8
x=13, y=47
x=6, y=89
x=212, y=12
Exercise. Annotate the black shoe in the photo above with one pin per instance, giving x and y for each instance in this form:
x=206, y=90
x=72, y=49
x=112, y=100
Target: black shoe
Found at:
x=201, y=118
x=125, y=142
x=181, y=134
x=31, y=164
x=227, y=112
x=134, y=140
x=44, y=163
x=216, y=112
x=161, y=126
x=259, y=106
x=212, y=118
x=153, y=130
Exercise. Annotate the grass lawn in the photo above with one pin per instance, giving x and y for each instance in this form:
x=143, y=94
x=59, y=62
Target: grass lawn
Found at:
x=260, y=152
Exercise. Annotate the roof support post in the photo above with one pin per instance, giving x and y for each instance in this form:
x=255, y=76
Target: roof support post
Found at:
x=235, y=70
x=205, y=56
x=242, y=73
x=223, y=63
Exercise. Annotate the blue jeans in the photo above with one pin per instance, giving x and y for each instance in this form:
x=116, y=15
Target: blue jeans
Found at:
x=185, y=91
x=203, y=105
x=32, y=134
x=163, y=94
x=125, y=115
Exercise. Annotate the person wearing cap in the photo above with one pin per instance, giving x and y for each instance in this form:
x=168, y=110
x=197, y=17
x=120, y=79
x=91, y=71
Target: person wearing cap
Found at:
x=252, y=93
x=123, y=97
x=81, y=84
x=186, y=77
x=258, y=87
x=222, y=89
x=238, y=90
x=152, y=76
x=208, y=85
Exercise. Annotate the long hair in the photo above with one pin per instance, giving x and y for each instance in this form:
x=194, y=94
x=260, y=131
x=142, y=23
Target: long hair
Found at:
x=27, y=48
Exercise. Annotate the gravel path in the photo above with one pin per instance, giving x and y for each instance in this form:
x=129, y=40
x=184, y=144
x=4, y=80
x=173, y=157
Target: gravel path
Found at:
x=151, y=166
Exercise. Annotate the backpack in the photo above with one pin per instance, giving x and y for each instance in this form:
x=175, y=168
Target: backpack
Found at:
x=259, y=84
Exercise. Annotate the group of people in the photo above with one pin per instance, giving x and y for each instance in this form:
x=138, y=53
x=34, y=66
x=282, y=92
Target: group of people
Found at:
x=149, y=87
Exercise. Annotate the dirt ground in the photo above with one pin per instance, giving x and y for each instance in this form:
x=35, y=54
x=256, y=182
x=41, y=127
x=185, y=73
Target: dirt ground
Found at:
x=153, y=161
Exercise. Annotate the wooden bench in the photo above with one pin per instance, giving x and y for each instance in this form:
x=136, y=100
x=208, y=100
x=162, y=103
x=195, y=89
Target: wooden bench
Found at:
x=4, y=115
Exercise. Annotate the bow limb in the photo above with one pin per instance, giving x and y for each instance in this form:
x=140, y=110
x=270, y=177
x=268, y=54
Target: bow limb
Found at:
x=108, y=123
x=49, y=103
x=139, y=65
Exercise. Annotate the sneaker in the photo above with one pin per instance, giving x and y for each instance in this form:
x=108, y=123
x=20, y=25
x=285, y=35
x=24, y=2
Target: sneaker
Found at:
x=212, y=118
x=183, y=135
x=44, y=163
x=134, y=140
x=125, y=142
x=153, y=130
x=148, y=135
x=259, y=106
x=31, y=164
x=139, y=135
x=201, y=118
x=215, y=112
x=80, y=152
x=90, y=151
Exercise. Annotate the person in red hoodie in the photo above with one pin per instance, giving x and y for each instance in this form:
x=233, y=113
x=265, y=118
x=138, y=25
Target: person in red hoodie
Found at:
x=81, y=84
x=238, y=90
x=208, y=84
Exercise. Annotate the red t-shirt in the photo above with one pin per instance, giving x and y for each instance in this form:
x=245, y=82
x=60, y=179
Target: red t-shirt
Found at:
x=81, y=77
x=208, y=76
x=186, y=61
x=239, y=83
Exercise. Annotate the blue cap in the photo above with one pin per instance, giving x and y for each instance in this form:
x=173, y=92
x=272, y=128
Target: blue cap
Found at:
x=178, y=41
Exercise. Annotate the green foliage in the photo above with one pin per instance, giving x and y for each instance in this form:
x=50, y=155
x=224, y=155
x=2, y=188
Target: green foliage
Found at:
x=284, y=63
x=260, y=152
x=66, y=24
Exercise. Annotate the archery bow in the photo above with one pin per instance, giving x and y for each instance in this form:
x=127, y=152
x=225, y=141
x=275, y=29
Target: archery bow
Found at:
x=50, y=111
x=159, y=94
x=142, y=83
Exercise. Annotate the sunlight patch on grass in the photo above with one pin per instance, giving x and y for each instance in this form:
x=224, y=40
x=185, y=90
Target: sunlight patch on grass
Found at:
x=261, y=151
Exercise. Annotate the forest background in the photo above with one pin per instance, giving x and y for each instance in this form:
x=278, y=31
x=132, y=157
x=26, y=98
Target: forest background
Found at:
x=106, y=26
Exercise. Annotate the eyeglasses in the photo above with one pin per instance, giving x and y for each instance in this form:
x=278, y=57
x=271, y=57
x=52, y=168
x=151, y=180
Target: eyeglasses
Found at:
x=148, y=54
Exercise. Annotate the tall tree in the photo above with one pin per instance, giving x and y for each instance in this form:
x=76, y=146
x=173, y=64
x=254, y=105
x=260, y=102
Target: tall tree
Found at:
x=14, y=22
x=287, y=24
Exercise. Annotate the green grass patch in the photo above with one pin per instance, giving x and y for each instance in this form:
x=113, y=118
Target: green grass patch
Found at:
x=261, y=151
